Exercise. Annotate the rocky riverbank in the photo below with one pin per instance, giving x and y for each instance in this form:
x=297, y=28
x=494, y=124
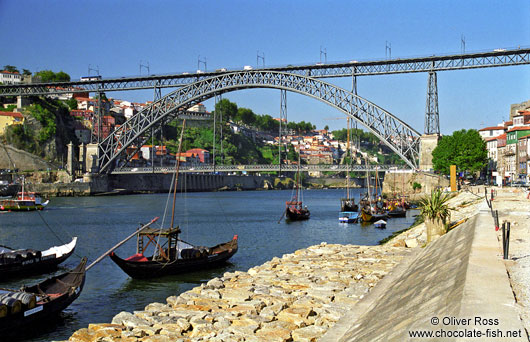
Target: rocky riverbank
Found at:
x=294, y=298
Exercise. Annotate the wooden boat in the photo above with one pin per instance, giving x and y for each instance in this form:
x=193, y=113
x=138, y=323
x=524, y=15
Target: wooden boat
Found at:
x=175, y=256
x=348, y=203
x=348, y=217
x=23, y=201
x=294, y=209
x=25, y=308
x=397, y=212
x=18, y=262
x=368, y=215
x=178, y=257
x=295, y=212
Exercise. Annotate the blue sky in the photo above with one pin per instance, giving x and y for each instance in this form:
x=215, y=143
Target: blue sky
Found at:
x=171, y=35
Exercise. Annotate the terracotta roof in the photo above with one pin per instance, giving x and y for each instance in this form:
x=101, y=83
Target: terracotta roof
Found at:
x=491, y=128
x=12, y=114
x=521, y=128
x=490, y=139
x=523, y=137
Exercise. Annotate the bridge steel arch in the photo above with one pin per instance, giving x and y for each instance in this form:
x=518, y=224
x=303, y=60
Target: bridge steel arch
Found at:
x=395, y=133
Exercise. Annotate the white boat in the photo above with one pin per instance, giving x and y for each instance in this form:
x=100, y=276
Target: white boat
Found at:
x=380, y=224
x=348, y=217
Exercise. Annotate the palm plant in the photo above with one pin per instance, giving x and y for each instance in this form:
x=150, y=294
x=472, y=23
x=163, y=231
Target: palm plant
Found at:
x=435, y=212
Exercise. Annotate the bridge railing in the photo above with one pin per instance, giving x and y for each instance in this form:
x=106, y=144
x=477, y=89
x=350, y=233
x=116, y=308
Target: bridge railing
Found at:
x=209, y=168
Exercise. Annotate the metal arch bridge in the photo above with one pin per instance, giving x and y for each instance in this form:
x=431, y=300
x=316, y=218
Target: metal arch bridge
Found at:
x=209, y=168
x=496, y=58
x=400, y=137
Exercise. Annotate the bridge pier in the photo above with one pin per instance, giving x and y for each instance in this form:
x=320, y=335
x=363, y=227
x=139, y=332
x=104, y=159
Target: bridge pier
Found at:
x=428, y=143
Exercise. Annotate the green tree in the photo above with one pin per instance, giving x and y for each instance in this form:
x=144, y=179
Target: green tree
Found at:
x=71, y=103
x=50, y=76
x=10, y=68
x=61, y=76
x=227, y=109
x=246, y=116
x=26, y=72
x=464, y=148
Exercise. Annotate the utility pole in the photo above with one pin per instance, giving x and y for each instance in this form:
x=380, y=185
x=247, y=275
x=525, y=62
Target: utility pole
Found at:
x=146, y=66
x=260, y=57
x=388, y=50
x=199, y=62
x=325, y=53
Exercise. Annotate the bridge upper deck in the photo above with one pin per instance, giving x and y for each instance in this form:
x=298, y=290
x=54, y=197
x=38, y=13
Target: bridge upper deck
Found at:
x=496, y=58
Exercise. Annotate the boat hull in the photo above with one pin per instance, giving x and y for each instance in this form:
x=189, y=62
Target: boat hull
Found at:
x=36, y=264
x=348, y=217
x=153, y=269
x=63, y=290
x=397, y=213
x=297, y=215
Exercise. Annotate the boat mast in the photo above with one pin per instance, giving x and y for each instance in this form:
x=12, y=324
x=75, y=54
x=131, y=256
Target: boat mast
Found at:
x=177, y=173
x=368, y=182
x=349, y=161
x=298, y=182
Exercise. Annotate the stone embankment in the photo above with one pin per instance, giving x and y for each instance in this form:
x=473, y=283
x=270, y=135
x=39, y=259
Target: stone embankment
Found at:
x=294, y=298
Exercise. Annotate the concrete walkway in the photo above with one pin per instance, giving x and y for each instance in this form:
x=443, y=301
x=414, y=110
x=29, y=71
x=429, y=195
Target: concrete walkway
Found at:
x=455, y=289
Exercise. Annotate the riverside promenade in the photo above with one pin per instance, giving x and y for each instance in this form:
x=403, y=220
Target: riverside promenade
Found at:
x=353, y=293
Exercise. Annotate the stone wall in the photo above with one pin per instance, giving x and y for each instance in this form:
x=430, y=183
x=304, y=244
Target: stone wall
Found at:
x=22, y=160
x=401, y=183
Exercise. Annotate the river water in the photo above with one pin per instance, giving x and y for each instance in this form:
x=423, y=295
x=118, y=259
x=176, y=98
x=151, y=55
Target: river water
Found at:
x=205, y=218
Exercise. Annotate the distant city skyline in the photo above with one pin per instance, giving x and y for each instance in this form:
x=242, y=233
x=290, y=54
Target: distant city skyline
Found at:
x=125, y=38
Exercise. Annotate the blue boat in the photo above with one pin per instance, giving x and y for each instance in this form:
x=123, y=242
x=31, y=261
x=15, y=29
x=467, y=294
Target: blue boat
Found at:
x=348, y=217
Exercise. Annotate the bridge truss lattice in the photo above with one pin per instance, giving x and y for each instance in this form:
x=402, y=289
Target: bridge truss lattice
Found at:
x=396, y=134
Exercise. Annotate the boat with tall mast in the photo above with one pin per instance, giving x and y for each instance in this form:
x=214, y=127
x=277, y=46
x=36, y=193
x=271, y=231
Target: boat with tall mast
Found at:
x=348, y=203
x=294, y=209
x=175, y=256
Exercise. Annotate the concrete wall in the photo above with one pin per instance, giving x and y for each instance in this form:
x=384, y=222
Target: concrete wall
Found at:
x=190, y=182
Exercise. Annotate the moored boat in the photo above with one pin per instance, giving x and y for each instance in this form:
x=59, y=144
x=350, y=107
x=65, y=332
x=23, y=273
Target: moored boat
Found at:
x=18, y=262
x=380, y=224
x=34, y=305
x=294, y=211
x=23, y=201
x=348, y=217
x=178, y=257
x=175, y=256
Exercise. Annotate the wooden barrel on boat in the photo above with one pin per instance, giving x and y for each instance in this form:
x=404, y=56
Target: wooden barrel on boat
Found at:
x=3, y=310
x=27, y=299
x=14, y=306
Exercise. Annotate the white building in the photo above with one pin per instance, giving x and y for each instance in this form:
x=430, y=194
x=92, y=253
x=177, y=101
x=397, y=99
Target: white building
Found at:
x=491, y=132
x=7, y=77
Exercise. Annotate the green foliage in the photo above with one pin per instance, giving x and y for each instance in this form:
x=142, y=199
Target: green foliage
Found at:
x=9, y=108
x=416, y=186
x=21, y=137
x=227, y=109
x=10, y=68
x=26, y=72
x=71, y=103
x=50, y=76
x=46, y=119
x=435, y=207
x=464, y=148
